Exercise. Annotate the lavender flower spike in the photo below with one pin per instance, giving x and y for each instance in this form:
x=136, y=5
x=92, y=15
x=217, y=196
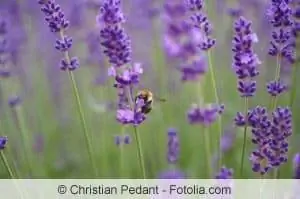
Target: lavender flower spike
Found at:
x=282, y=44
x=116, y=46
x=57, y=23
x=173, y=146
x=245, y=61
x=115, y=41
x=4, y=48
x=270, y=134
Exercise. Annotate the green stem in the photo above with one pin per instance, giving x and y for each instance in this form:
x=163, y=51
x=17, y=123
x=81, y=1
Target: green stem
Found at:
x=245, y=137
x=214, y=86
x=5, y=162
x=277, y=77
x=140, y=152
x=25, y=137
x=83, y=123
x=122, y=168
x=80, y=110
x=207, y=150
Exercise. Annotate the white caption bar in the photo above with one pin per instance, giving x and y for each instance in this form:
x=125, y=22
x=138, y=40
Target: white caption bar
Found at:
x=150, y=189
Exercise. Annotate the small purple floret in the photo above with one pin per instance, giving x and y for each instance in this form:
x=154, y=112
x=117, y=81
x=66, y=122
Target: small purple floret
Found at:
x=3, y=142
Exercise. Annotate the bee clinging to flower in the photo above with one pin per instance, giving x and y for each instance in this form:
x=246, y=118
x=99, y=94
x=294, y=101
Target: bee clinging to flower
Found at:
x=147, y=97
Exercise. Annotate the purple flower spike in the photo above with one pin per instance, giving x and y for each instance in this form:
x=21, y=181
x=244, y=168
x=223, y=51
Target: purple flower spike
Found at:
x=282, y=43
x=270, y=134
x=117, y=47
x=58, y=23
x=245, y=61
x=115, y=41
x=184, y=39
x=54, y=16
x=3, y=142
x=224, y=173
x=204, y=116
x=296, y=165
x=173, y=146
x=4, y=48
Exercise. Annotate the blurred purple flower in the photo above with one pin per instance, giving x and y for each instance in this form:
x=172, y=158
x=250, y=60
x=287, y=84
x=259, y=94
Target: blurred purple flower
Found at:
x=4, y=48
x=39, y=143
x=296, y=166
x=204, y=115
x=124, y=139
x=235, y=12
x=172, y=174
x=3, y=142
x=245, y=61
x=227, y=140
x=57, y=23
x=14, y=101
x=201, y=23
x=182, y=41
x=224, y=173
x=173, y=146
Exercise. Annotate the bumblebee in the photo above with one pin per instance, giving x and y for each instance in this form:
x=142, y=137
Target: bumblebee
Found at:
x=148, y=97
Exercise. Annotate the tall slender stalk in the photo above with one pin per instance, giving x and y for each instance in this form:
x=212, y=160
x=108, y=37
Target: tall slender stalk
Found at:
x=137, y=135
x=207, y=150
x=274, y=104
x=244, y=136
x=80, y=111
x=214, y=85
x=122, y=154
x=83, y=123
x=25, y=137
x=140, y=152
x=6, y=164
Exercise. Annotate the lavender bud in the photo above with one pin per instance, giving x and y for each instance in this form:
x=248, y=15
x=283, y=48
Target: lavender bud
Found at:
x=3, y=142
